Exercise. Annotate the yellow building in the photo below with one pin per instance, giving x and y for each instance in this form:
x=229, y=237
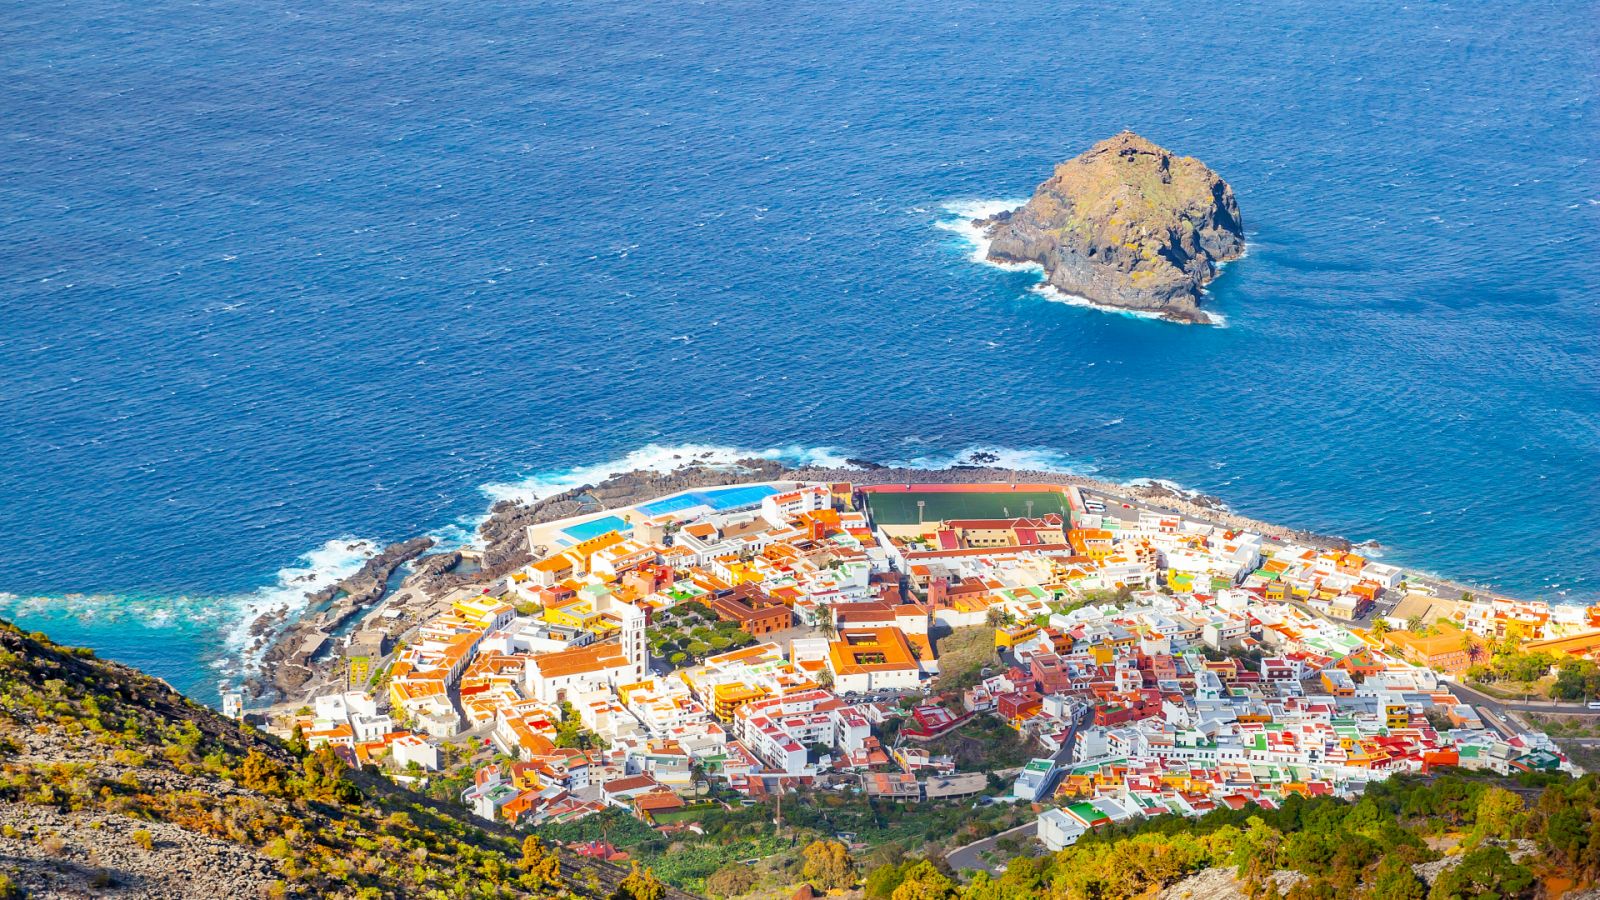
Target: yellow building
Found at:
x=575, y=613
x=727, y=698
x=1396, y=715
x=1010, y=637
x=484, y=611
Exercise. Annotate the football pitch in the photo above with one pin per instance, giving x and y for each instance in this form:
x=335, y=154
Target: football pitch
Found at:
x=901, y=509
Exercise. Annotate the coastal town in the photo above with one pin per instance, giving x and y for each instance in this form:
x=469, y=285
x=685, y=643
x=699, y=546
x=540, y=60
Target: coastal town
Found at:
x=750, y=640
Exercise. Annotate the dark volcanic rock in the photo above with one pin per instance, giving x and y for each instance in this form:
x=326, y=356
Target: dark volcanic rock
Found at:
x=287, y=661
x=1126, y=224
x=368, y=584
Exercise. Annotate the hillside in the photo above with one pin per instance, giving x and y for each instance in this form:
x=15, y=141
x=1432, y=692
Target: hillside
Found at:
x=112, y=784
x=1453, y=836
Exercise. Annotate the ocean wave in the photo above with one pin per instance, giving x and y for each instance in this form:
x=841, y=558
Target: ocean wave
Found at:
x=657, y=458
x=334, y=561
x=1186, y=493
x=960, y=221
x=107, y=610
x=218, y=626
x=1371, y=549
x=1024, y=460
x=1055, y=295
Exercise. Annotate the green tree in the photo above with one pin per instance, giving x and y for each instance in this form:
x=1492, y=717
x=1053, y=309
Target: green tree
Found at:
x=882, y=881
x=571, y=733
x=326, y=777
x=1255, y=854
x=1499, y=815
x=1394, y=880
x=1576, y=679
x=1486, y=873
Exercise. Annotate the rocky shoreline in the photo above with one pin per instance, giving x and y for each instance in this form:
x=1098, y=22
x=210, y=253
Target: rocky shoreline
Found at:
x=1126, y=224
x=296, y=658
x=290, y=650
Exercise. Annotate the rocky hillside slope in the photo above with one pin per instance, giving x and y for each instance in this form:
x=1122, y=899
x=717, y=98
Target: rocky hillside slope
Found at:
x=113, y=785
x=1126, y=224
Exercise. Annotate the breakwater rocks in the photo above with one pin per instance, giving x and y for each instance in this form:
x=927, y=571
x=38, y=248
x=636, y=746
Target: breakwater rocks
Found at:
x=367, y=584
x=290, y=660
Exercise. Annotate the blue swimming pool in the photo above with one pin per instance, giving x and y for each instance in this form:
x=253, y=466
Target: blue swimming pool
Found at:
x=595, y=527
x=719, y=499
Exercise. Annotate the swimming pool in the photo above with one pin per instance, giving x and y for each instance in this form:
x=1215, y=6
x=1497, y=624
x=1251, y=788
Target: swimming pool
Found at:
x=718, y=499
x=595, y=527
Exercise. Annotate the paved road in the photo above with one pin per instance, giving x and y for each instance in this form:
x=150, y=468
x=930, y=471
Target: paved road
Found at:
x=971, y=856
x=1479, y=698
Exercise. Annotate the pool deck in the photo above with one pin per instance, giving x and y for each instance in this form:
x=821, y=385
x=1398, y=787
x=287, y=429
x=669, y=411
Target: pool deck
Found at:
x=550, y=536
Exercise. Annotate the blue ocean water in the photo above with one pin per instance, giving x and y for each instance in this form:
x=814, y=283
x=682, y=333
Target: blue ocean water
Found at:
x=276, y=275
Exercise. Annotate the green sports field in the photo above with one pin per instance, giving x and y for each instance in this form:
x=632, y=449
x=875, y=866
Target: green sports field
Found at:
x=901, y=509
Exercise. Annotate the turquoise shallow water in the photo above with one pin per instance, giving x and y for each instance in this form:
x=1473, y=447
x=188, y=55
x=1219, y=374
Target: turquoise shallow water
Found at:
x=279, y=275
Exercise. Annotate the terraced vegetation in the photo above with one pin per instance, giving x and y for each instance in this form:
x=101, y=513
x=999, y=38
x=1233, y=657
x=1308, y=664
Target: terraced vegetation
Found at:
x=111, y=780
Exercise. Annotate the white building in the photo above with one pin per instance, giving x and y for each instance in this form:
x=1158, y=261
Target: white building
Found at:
x=414, y=749
x=1057, y=830
x=569, y=674
x=778, y=509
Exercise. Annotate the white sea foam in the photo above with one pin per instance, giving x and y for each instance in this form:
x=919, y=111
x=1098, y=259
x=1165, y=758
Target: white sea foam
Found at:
x=334, y=561
x=657, y=458
x=463, y=532
x=1029, y=460
x=960, y=220
x=229, y=616
x=1184, y=492
x=1056, y=295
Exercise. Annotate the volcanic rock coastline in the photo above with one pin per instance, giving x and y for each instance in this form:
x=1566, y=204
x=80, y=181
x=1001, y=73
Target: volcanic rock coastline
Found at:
x=1126, y=224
